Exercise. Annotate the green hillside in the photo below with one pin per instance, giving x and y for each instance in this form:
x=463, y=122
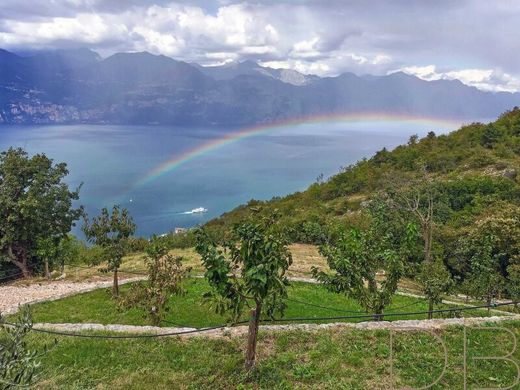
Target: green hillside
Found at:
x=474, y=167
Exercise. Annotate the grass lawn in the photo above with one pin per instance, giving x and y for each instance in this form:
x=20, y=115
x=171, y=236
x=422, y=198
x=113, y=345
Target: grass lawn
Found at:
x=328, y=359
x=192, y=311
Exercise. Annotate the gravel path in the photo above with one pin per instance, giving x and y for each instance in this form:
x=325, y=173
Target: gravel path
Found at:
x=12, y=296
x=242, y=330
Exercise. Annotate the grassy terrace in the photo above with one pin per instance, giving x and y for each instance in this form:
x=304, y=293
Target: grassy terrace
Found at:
x=192, y=311
x=328, y=359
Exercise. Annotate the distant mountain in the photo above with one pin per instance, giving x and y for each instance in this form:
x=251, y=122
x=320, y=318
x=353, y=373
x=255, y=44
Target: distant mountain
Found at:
x=78, y=86
x=250, y=68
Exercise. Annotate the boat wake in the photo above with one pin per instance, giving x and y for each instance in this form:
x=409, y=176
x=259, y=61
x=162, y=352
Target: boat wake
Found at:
x=198, y=210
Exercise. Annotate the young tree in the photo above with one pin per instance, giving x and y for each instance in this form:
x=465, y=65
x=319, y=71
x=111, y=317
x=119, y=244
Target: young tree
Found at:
x=358, y=257
x=35, y=204
x=19, y=365
x=436, y=281
x=111, y=232
x=165, y=277
x=249, y=271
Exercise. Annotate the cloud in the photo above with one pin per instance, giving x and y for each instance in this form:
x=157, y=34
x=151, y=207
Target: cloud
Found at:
x=494, y=80
x=470, y=40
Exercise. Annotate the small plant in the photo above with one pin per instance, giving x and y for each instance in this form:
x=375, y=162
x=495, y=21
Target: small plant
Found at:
x=165, y=277
x=19, y=365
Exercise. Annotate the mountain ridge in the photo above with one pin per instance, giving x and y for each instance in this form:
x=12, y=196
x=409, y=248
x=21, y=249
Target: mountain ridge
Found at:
x=78, y=86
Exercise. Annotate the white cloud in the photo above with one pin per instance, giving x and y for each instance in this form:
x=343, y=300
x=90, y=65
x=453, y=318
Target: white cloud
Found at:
x=326, y=38
x=493, y=80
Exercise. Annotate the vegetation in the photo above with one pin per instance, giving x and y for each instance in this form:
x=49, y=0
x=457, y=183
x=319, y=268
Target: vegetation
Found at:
x=165, y=277
x=446, y=185
x=252, y=276
x=111, y=231
x=304, y=300
x=327, y=359
x=358, y=256
x=19, y=363
x=35, y=205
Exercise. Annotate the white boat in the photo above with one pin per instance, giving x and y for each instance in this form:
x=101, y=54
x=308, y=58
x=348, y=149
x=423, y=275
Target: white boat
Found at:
x=199, y=210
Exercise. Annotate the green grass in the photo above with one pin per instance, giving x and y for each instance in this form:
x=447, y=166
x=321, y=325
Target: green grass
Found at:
x=328, y=359
x=191, y=310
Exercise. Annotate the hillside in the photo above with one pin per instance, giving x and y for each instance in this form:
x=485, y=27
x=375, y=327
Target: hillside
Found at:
x=78, y=86
x=474, y=170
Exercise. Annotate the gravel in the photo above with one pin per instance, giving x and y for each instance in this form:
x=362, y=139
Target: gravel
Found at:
x=12, y=296
x=242, y=330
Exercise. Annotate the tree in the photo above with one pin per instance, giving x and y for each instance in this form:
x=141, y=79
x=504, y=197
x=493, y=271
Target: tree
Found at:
x=436, y=281
x=490, y=136
x=492, y=248
x=35, y=204
x=358, y=257
x=165, y=277
x=111, y=232
x=47, y=250
x=248, y=271
x=419, y=199
x=19, y=365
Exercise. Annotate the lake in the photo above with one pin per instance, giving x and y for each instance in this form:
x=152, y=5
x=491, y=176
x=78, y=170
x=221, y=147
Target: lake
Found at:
x=208, y=167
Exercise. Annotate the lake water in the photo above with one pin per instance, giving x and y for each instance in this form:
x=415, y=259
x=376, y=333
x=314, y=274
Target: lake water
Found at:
x=113, y=163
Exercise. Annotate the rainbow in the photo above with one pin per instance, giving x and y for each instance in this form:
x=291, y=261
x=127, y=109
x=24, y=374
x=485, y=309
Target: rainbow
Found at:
x=188, y=155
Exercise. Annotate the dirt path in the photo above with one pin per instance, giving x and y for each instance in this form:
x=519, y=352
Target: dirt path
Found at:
x=14, y=295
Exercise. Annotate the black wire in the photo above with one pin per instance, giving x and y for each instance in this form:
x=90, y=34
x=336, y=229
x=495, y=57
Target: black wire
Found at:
x=298, y=319
x=199, y=330
x=322, y=307
x=119, y=270
x=140, y=336
x=18, y=273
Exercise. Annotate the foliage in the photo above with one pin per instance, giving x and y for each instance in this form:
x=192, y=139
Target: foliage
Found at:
x=19, y=364
x=35, y=204
x=249, y=271
x=359, y=256
x=470, y=174
x=492, y=248
x=165, y=278
x=111, y=232
x=436, y=281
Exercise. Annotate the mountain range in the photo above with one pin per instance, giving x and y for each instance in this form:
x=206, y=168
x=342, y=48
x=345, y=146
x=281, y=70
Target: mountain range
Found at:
x=78, y=86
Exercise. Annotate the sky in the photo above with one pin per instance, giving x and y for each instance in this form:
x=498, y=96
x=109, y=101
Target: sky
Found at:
x=474, y=41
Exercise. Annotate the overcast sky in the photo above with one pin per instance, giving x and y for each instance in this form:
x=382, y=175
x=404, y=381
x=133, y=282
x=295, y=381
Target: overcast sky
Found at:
x=475, y=41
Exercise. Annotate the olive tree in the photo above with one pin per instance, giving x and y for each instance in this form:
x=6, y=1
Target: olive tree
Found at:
x=35, y=204
x=19, y=364
x=247, y=273
x=367, y=264
x=111, y=230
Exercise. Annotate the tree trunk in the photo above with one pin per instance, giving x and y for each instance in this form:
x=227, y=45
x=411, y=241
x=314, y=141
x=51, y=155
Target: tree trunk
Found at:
x=488, y=302
x=46, y=269
x=115, y=287
x=21, y=262
x=378, y=314
x=252, y=336
x=430, y=309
